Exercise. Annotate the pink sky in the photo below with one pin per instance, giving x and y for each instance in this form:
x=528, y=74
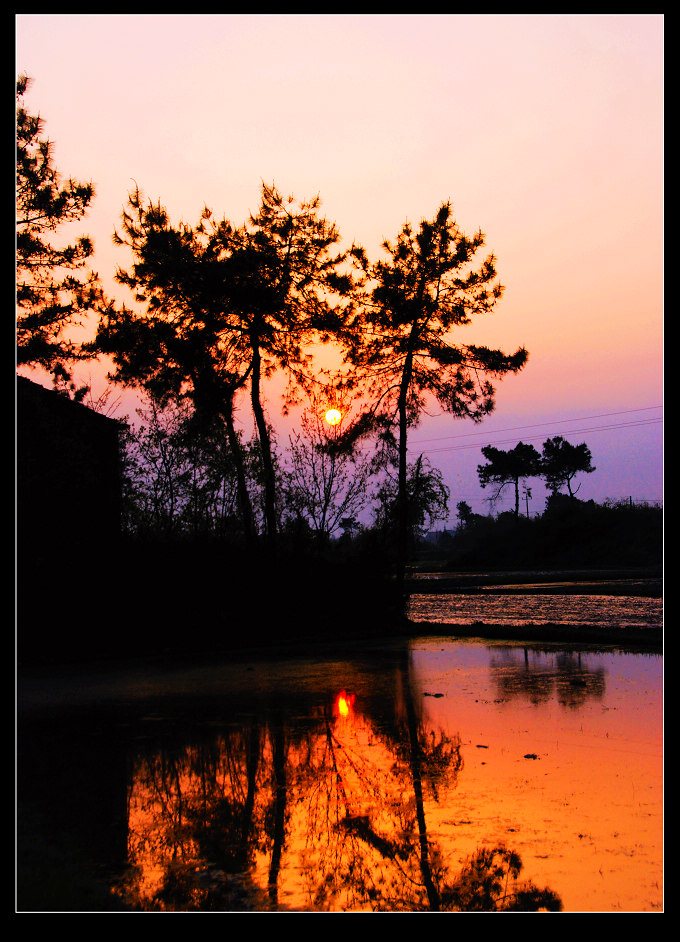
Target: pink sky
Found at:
x=546, y=131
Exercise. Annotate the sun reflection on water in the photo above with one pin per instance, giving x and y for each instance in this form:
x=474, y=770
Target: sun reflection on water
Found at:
x=342, y=788
x=344, y=704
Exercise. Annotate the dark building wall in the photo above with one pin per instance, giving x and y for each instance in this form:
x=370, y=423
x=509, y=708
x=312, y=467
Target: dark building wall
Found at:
x=68, y=482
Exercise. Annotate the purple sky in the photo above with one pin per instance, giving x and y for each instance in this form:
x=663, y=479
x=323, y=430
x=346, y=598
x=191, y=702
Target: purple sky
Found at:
x=544, y=130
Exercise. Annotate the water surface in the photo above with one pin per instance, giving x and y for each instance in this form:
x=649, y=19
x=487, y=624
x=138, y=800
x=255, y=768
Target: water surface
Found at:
x=399, y=779
x=524, y=609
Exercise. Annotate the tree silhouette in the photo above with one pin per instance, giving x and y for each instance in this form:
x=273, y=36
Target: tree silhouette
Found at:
x=282, y=269
x=427, y=500
x=178, y=473
x=50, y=294
x=509, y=467
x=183, y=346
x=225, y=308
x=562, y=461
x=403, y=347
x=464, y=513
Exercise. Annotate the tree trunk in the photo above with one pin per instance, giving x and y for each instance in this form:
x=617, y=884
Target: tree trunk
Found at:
x=415, y=755
x=244, y=502
x=265, y=445
x=402, y=491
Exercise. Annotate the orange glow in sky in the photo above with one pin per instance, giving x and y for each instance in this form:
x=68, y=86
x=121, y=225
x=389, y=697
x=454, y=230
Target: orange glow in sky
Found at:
x=543, y=130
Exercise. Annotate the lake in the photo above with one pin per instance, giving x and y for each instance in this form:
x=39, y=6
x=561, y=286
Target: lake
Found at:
x=419, y=775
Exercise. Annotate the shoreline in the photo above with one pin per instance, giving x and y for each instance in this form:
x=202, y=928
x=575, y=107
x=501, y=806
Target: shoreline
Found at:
x=638, y=636
x=633, y=638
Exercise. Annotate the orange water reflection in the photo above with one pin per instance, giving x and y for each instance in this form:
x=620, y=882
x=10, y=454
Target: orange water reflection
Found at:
x=344, y=704
x=498, y=778
x=564, y=759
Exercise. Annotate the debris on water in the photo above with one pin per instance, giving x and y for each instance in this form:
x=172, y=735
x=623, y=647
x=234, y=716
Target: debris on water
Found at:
x=531, y=755
x=433, y=694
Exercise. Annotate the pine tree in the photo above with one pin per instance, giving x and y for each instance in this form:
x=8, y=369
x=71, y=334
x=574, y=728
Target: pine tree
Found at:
x=509, y=467
x=55, y=289
x=226, y=306
x=404, y=347
x=562, y=461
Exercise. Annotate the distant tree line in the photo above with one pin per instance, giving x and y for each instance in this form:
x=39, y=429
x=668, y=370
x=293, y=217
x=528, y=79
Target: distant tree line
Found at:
x=570, y=533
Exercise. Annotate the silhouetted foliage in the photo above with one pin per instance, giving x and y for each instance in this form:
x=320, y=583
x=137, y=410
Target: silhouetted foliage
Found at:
x=427, y=501
x=558, y=465
x=183, y=347
x=225, y=308
x=569, y=534
x=464, y=513
x=561, y=462
x=50, y=296
x=488, y=883
x=402, y=344
x=508, y=467
x=281, y=270
x=179, y=474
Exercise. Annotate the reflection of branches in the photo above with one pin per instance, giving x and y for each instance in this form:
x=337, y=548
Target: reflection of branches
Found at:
x=416, y=774
x=279, y=809
x=366, y=839
x=536, y=679
x=488, y=882
x=223, y=822
x=347, y=803
x=358, y=824
x=344, y=792
x=192, y=815
x=485, y=881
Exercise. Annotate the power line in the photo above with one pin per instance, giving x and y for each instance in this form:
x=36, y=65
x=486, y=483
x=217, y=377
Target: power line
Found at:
x=576, y=431
x=516, y=428
x=488, y=436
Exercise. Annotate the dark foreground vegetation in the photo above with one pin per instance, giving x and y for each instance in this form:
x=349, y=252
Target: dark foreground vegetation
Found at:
x=190, y=595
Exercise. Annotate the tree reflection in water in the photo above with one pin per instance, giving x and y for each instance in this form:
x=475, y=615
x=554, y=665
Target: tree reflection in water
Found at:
x=328, y=813
x=539, y=675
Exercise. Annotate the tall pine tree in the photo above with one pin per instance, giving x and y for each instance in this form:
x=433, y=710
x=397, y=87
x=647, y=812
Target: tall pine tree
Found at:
x=406, y=346
x=55, y=288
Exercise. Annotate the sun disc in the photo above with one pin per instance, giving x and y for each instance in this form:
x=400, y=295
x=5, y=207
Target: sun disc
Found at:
x=333, y=416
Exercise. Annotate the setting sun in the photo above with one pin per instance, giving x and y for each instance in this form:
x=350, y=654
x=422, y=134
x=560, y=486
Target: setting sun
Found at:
x=333, y=416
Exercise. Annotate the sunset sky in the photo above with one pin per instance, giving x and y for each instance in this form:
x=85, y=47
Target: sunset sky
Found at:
x=545, y=131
